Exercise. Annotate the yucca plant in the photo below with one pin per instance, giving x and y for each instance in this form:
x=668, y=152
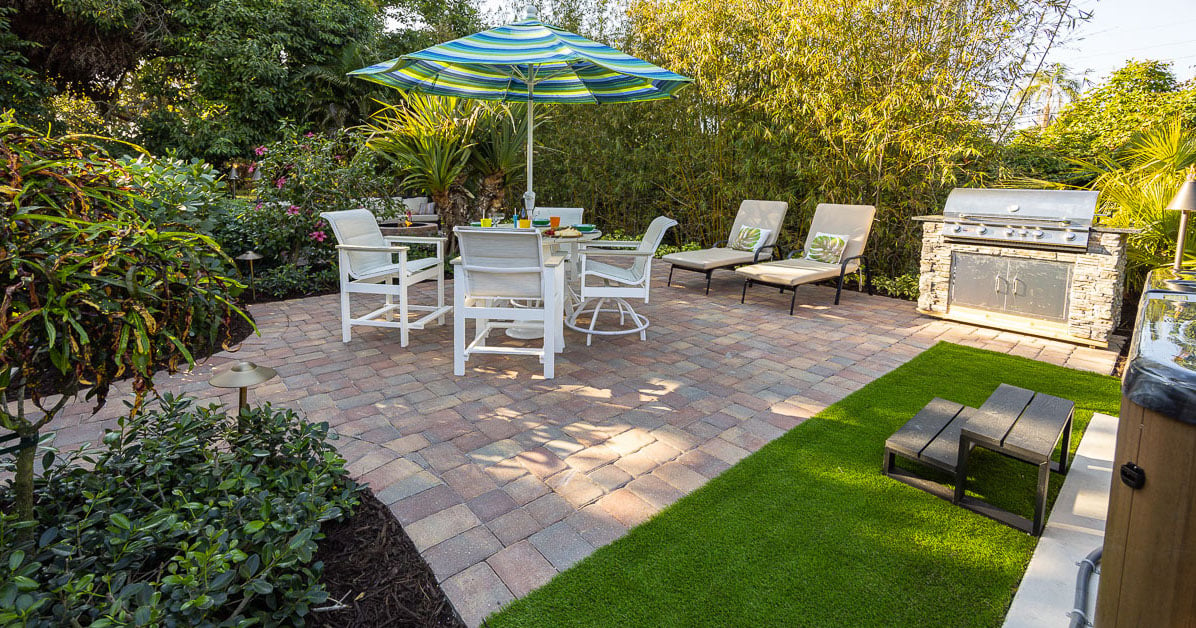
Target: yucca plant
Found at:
x=499, y=153
x=430, y=139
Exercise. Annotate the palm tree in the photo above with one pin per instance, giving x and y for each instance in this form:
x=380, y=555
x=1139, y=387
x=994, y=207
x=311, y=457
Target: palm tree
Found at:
x=430, y=139
x=498, y=156
x=1052, y=88
x=1136, y=182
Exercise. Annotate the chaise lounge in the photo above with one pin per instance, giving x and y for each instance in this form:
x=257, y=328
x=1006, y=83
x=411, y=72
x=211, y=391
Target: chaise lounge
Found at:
x=834, y=247
x=763, y=221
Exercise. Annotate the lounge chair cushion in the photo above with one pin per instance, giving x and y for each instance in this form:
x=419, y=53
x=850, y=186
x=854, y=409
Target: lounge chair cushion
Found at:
x=826, y=247
x=750, y=238
x=707, y=259
x=792, y=272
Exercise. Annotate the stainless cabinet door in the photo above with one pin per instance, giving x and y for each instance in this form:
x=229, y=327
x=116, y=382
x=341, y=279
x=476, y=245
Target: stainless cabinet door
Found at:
x=1038, y=288
x=978, y=281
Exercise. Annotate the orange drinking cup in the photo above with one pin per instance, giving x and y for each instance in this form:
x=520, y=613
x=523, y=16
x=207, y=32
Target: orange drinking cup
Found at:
x=554, y=221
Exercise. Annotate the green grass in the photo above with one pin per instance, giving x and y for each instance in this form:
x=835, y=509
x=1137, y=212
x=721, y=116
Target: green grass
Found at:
x=808, y=532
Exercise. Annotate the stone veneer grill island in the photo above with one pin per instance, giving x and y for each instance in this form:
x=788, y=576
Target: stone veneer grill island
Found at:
x=985, y=268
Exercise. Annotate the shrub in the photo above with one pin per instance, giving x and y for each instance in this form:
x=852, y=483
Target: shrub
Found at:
x=180, y=519
x=289, y=280
x=92, y=290
x=190, y=193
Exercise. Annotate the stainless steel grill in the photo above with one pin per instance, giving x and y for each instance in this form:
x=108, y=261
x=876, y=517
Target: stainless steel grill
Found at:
x=1052, y=219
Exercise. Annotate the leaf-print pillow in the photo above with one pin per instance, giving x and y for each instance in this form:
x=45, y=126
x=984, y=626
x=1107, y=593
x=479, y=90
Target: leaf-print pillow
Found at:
x=826, y=247
x=750, y=239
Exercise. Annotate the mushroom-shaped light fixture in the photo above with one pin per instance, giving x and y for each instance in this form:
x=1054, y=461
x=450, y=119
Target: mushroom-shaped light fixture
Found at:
x=242, y=375
x=251, y=257
x=1184, y=201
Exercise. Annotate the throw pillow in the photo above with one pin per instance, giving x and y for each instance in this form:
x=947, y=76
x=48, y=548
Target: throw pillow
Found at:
x=750, y=239
x=826, y=248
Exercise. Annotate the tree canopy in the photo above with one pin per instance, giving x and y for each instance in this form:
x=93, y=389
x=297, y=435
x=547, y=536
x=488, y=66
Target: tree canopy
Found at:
x=212, y=78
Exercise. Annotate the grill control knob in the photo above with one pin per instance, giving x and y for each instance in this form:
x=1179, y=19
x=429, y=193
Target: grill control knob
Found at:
x=1009, y=232
x=1071, y=236
x=1022, y=232
x=982, y=230
x=957, y=229
x=1039, y=234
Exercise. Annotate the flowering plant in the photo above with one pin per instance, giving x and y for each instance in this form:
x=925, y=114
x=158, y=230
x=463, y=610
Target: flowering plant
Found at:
x=302, y=175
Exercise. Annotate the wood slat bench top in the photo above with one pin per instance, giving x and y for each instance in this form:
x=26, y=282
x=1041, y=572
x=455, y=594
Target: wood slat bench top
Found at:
x=1013, y=420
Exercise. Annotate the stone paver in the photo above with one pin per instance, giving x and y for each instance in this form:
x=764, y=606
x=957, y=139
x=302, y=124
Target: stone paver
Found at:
x=475, y=466
x=522, y=568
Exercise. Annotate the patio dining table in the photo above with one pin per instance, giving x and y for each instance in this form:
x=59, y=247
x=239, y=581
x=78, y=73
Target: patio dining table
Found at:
x=569, y=297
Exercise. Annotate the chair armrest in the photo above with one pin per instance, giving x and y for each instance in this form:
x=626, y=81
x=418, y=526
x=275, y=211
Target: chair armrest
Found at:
x=843, y=264
x=617, y=253
x=371, y=249
x=417, y=239
x=553, y=261
x=608, y=243
x=756, y=257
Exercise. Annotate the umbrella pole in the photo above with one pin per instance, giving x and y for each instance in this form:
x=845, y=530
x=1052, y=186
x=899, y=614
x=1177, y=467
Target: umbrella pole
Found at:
x=529, y=197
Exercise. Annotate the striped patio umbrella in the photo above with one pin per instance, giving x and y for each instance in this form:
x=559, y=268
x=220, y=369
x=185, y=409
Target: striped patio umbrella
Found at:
x=527, y=61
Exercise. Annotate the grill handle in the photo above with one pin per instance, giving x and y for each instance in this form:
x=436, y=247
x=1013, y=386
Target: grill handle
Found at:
x=1044, y=220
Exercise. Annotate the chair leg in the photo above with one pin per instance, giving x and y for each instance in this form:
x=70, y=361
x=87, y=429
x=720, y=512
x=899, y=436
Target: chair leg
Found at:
x=708, y=273
x=669, y=283
x=346, y=334
x=793, y=301
x=458, y=328
x=838, y=290
x=743, y=297
x=868, y=276
x=594, y=320
x=550, y=329
x=404, y=330
x=440, y=292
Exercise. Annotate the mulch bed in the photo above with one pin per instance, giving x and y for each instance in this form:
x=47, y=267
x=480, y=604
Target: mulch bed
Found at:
x=371, y=567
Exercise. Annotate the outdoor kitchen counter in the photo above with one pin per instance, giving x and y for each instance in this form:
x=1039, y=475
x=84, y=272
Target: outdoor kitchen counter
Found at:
x=1096, y=229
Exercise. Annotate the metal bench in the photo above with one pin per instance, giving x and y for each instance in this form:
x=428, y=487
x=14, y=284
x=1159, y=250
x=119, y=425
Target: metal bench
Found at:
x=1016, y=422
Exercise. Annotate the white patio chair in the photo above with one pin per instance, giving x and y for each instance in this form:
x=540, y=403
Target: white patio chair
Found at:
x=617, y=284
x=497, y=268
x=367, y=265
x=569, y=215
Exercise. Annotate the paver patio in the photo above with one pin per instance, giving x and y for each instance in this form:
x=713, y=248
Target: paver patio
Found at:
x=502, y=479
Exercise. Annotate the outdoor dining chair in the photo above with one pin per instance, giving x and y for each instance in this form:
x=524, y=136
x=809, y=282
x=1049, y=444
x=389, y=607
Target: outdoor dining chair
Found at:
x=569, y=215
x=616, y=284
x=834, y=247
x=501, y=281
x=753, y=238
x=367, y=265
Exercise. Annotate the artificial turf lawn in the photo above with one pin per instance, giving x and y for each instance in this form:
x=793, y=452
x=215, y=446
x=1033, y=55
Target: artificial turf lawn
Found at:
x=808, y=532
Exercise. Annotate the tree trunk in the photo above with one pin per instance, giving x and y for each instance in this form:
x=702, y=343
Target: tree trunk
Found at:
x=22, y=484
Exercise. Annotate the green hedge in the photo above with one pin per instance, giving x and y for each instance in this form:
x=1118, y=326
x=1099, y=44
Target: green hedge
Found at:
x=180, y=519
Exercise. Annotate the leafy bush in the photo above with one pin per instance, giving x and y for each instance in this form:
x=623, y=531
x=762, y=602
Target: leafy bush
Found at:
x=302, y=175
x=177, y=191
x=93, y=290
x=289, y=280
x=902, y=286
x=180, y=519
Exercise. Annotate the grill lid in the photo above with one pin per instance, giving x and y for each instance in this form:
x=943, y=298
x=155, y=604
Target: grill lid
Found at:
x=1028, y=207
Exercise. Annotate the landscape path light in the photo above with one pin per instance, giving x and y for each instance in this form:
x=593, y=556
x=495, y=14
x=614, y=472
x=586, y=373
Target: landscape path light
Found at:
x=251, y=257
x=243, y=375
x=1185, y=202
